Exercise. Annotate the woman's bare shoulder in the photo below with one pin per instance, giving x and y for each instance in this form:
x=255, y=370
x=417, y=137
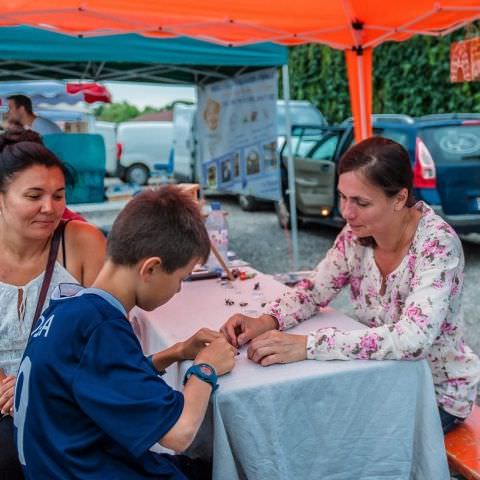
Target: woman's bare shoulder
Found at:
x=83, y=235
x=85, y=245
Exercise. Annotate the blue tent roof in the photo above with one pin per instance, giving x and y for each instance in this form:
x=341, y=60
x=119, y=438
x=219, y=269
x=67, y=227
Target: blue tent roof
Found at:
x=125, y=57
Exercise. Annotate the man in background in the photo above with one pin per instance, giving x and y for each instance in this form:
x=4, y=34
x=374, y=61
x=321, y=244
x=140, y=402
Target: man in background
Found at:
x=20, y=110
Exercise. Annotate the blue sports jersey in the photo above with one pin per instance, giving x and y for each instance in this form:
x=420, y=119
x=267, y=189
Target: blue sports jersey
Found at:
x=88, y=404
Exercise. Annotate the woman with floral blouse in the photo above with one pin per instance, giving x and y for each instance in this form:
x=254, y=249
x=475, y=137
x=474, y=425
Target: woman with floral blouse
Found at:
x=404, y=266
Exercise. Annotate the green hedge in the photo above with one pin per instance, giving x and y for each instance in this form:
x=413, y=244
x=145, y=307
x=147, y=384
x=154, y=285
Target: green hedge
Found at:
x=411, y=77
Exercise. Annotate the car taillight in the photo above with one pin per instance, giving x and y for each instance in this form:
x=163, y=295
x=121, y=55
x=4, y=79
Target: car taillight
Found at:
x=424, y=173
x=119, y=151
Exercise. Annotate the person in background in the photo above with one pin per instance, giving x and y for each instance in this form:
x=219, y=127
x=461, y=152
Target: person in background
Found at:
x=99, y=406
x=20, y=110
x=32, y=202
x=404, y=266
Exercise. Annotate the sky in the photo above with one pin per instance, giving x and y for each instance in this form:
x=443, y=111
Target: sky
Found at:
x=143, y=94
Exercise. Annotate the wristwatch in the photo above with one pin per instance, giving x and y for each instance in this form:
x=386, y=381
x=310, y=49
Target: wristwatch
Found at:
x=204, y=372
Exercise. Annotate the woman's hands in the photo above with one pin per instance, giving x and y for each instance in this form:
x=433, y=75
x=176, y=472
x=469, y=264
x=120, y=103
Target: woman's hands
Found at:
x=277, y=347
x=240, y=329
x=7, y=390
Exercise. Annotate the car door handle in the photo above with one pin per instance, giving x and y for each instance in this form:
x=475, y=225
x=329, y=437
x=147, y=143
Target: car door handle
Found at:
x=306, y=183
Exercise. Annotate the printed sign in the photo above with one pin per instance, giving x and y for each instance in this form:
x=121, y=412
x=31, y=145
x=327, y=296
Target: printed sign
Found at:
x=460, y=70
x=237, y=132
x=465, y=60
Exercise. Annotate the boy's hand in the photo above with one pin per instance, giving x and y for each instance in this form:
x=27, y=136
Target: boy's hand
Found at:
x=219, y=354
x=190, y=347
x=7, y=390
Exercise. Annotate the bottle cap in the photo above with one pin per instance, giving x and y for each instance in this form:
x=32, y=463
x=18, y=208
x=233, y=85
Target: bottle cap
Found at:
x=216, y=206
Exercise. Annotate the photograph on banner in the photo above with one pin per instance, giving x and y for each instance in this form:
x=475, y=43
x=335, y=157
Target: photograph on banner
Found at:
x=237, y=132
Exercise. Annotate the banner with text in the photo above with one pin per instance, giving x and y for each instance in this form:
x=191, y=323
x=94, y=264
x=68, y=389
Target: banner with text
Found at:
x=237, y=132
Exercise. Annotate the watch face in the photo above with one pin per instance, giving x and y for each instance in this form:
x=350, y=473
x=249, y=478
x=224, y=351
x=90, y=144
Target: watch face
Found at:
x=206, y=370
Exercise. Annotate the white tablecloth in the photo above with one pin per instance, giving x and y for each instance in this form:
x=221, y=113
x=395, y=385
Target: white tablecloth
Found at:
x=307, y=420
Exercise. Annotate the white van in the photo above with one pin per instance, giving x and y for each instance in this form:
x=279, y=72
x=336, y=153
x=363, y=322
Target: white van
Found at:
x=144, y=148
x=108, y=130
x=183, y=142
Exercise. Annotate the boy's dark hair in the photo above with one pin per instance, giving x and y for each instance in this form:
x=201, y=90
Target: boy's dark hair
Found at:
x=21, y=149
x=165, y=223
x=22, y=101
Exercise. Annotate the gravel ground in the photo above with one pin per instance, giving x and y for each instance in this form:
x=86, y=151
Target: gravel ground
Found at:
x=257, y=238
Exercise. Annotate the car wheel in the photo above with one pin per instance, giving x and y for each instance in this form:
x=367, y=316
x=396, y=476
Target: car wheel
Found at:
x=137, y=173
x=247, y=203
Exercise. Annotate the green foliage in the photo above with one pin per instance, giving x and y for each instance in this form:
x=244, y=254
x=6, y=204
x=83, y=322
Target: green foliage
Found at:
x=116, y=112
x=411, y=77
x=121, y=112
x=170, y=105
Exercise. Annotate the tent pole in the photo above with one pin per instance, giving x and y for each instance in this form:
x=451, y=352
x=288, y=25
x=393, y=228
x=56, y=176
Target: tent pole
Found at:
x=361, y=94
x=290, y=165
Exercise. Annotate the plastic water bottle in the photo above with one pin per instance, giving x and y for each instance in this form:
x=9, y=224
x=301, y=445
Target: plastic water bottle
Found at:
x=217, y=228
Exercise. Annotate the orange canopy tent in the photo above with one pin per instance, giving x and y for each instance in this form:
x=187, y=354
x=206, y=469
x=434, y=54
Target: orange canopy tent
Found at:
x=355, y=26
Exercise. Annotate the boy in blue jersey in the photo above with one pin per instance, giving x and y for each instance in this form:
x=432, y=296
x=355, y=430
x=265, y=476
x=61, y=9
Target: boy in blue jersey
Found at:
x=88, y=403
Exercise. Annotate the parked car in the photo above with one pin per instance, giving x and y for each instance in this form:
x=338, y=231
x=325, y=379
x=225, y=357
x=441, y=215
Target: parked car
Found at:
x=108, y=130
x=144, y=148
x=444, y=151
x=186, y=169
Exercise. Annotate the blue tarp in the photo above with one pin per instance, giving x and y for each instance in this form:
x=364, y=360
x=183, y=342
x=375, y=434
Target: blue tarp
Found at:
x=126, y=57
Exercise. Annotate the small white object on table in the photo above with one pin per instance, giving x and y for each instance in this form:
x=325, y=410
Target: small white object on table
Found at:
x=305, y=420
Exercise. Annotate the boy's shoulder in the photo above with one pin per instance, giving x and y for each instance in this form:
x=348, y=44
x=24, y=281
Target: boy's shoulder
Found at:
x=83, y=307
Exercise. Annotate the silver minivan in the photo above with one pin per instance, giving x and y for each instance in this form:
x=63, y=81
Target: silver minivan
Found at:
x=143, y=149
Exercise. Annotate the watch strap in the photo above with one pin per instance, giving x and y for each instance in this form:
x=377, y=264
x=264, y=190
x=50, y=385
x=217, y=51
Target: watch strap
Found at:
x=196, y=369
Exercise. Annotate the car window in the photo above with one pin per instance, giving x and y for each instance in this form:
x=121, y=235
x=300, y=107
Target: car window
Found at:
x=325, y=149
x=453, y=143
x=398, y=136
x=306, y=146
x=299, y=115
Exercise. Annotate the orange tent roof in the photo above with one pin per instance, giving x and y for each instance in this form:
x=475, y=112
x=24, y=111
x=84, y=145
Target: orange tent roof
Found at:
x=226, y=21
x=352, y=25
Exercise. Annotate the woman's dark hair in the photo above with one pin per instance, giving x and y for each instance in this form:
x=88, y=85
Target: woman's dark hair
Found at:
x=21, y=149
x=164, y=223
x=385, y=164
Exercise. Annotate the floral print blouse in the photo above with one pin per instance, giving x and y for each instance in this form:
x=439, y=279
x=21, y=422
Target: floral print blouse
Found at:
x=419, y=315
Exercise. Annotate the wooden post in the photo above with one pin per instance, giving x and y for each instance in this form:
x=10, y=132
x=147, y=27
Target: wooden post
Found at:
x=221, y=261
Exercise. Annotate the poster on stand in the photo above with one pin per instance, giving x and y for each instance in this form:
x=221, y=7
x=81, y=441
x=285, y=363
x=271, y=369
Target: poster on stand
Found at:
x=237, y=132
x=465, y=60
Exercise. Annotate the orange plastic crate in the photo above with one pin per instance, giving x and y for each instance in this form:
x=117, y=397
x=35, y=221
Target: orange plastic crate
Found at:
x=463, y=447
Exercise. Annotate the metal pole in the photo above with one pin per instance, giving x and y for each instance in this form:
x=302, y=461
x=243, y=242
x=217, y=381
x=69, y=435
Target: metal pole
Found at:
x=361, y=94
x=290, y=167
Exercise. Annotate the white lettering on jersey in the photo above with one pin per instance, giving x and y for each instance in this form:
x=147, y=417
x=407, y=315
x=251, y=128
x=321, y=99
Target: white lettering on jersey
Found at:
x=43, y=327
x=20, y=413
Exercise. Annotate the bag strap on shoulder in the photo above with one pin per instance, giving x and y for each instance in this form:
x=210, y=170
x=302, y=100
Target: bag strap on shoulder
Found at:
x=52, y=257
